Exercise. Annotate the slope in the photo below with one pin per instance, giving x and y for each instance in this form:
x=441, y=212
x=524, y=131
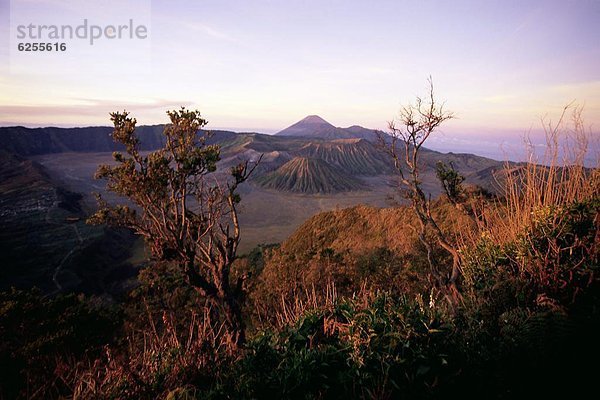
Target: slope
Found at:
x=353, y=156
x=309, y=175
x=44, y=240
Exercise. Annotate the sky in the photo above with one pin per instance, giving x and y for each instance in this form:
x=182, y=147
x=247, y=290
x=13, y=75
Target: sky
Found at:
x=500, y=66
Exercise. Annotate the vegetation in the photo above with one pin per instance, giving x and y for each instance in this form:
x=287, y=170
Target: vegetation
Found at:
x=348, y=306
x=184, y=218
x=417, y=122
x=41, y=337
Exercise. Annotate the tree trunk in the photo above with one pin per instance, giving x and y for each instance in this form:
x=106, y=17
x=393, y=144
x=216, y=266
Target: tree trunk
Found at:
x=224, y=301
x=234, y=320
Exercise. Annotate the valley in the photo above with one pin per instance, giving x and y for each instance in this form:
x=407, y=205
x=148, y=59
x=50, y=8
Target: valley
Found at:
x=309, y=168
x=267, y=216
x=44, y=240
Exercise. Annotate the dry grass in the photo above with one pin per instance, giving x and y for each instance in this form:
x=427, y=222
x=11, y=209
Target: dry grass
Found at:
x=554, y=179
x=292, y=308
x=535, y=211
x=154, y=362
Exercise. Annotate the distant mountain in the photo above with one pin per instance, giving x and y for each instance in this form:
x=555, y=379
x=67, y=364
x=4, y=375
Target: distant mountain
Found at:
x=27, y=141
x=316, y=127
x=356, y=158
x=358, y=131
x=309, y=175
x=36, y=141
x=349, y=154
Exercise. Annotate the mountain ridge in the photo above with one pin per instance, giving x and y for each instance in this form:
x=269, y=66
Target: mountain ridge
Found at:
x=355, y=156
x=36, y=141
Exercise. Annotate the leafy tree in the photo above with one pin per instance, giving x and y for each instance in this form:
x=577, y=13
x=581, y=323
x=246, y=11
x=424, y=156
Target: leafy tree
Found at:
x=416, y=123
x=184, y=216
x=470, y=201
x=451, y=181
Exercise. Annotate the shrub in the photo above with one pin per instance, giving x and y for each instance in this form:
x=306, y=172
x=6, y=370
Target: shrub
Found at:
x=39, y=334
x=366, y=347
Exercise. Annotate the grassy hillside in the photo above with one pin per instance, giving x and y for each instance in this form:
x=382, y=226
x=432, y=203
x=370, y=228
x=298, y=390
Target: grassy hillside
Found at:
x=363, y=228
x=355, y=248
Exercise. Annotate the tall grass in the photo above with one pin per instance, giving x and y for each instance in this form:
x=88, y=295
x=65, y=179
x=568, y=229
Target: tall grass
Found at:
x=154, y=361
x=293, y=308
x=534, y=223
x=551, y=180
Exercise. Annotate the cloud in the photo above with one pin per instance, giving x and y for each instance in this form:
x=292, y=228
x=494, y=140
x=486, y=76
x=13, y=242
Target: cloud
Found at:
x=208, y=30
x=152, y=104
x=500, y=99
x=86, y=107
x=590, y=89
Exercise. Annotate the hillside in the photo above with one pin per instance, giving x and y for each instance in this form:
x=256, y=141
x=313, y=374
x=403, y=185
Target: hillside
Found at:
x=353, y=156
x=376, y=228
x=24, y=185
x=309, y=175
x=355, y=247
x=44, y=240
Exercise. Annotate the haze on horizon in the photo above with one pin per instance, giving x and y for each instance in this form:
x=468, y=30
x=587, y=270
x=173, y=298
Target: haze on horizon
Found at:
x=261, y=66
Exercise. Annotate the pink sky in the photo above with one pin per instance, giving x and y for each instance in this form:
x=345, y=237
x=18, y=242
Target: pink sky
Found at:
x=262, y=65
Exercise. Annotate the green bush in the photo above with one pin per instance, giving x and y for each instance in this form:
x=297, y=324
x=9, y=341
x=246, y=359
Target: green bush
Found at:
x=385, y=347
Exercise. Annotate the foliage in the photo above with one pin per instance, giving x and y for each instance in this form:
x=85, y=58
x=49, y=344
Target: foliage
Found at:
x=370, y=347
x=181, y=214
x=511, y=335
x=333, y=316
x=38, y=333
x=451, y=181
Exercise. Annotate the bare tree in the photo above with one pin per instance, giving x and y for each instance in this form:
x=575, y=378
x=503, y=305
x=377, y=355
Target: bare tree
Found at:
x=415, y=124
x=183, y=216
